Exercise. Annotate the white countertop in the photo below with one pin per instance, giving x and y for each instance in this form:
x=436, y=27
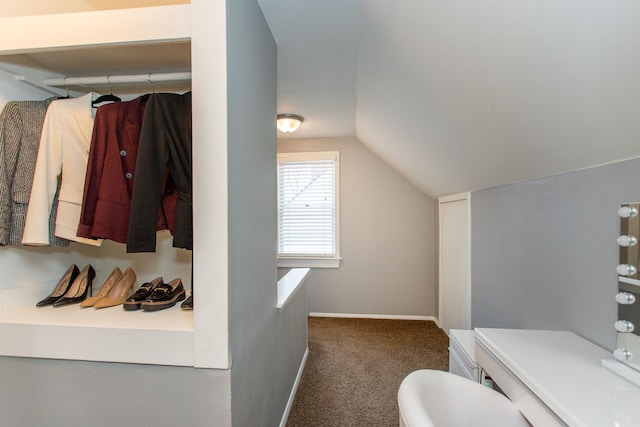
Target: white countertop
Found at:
x=565, y=372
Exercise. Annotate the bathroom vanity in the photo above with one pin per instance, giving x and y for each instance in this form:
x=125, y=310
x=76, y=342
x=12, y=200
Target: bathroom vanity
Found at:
x=556, y=378
x=462, y=360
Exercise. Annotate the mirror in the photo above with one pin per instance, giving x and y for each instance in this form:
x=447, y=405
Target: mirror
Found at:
x=628, y=296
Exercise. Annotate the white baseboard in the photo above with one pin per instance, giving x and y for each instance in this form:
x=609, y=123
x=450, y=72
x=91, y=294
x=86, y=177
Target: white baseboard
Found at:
x=296, y=383
x=376, y=316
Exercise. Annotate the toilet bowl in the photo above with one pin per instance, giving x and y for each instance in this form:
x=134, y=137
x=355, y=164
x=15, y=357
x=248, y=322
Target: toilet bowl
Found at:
x=429, y=398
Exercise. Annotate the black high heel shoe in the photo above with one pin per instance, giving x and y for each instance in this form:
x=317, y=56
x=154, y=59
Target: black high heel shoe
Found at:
x=79, y=289
x=61, y=288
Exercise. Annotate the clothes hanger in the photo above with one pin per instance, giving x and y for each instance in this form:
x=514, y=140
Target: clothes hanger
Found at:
x=106, y=98
x=66, y=87
x=153, y=85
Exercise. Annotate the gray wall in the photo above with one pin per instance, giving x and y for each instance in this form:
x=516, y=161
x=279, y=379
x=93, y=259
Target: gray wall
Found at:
x=544, y=252
x=266, y=346
x=61, y=393
x=386, y=235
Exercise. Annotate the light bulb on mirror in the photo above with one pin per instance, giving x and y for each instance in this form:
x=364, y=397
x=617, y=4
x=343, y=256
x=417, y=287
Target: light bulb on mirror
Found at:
x=624, y=326
x=622, y=354
x=626, y=241
x=625, y=298
x=627, y=212
x=626, y=270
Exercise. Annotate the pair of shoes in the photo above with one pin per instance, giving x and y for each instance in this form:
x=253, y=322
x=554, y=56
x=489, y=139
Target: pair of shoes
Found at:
x=188, y=303
x=61, y=288
x=113, y=291
x=134, y=300
x=164, y=295
x=73, y=287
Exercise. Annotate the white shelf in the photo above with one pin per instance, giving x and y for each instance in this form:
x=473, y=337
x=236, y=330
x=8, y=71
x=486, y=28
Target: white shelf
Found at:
x=147, y=40
x=108, y=335
x=120, y=41
x=95, y=29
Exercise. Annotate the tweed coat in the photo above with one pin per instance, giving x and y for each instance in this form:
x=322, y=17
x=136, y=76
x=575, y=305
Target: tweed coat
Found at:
x=63, y=154
x=165, y=147
x=20, y=128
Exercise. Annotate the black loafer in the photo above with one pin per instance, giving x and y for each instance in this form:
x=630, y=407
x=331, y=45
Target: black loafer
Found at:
x=164, y=296
x=188, y=303
x=134, y=300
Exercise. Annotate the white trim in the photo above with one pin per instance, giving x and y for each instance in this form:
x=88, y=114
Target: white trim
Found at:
x=294, y=390
x=454, y=197
x=315, y=260
x=625, y=371
x=628, y=280
x=375, y=316
x=448, y=199
x=289, y=285
x=301, y=156
x=309, y=262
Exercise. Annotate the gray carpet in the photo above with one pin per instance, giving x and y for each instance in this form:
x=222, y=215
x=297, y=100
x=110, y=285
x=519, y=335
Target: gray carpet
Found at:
x=355, y=367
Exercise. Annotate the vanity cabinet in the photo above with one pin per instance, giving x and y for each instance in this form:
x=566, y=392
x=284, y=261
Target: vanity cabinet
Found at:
x=556, y=378
x=462, y=360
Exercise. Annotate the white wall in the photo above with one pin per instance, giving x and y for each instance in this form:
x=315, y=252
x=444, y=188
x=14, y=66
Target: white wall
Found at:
x=387, y=233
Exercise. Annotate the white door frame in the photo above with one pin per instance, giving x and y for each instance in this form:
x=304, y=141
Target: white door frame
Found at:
x=467, y=303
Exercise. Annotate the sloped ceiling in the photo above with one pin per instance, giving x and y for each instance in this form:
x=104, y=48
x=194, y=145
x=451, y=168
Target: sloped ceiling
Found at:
x=461, y=95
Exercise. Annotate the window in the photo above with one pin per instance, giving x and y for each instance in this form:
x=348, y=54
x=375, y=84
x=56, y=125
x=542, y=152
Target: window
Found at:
x=308, y=214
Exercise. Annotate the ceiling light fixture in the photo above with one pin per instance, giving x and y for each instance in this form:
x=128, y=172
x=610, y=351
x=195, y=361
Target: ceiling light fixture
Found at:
x=288, y=123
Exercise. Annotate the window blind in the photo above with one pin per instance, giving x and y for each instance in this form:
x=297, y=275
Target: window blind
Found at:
x=307, y=207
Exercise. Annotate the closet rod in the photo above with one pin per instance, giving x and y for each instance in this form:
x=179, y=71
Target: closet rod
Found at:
x=25, y=80
x=150, y=78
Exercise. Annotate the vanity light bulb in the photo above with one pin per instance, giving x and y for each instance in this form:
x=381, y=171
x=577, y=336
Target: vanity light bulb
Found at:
x=624, y=326
x=622, y=354
x=625, y=298
x=626, y=241
x=626, y=270
x=627, y=211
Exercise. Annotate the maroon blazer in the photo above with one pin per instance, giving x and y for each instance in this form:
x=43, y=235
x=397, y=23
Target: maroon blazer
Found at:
x=110, y=175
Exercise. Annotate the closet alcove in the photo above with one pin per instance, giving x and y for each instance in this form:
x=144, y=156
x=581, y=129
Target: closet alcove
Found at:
x=38, y=40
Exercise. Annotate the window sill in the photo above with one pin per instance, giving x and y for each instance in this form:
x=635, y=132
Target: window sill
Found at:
x=310, y=262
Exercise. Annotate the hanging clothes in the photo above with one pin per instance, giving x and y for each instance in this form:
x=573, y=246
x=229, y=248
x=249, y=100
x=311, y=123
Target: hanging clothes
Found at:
x=108, y=184
x=165, y=145
x=20, y=128
x=63, y=152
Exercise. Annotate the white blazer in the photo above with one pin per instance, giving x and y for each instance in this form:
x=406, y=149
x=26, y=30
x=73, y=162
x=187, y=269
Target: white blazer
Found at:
x=63, y=154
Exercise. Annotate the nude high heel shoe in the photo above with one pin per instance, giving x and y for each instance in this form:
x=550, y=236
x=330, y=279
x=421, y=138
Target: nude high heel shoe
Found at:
x=80, y=288
x=118, y=293
x=104, y=290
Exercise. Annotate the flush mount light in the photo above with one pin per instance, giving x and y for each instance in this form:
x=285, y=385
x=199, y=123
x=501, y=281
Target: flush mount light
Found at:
x=288, y=123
